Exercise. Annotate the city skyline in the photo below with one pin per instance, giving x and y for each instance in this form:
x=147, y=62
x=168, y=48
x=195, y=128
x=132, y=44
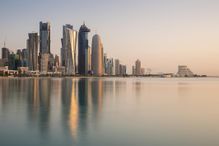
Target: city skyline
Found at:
x=162, y=34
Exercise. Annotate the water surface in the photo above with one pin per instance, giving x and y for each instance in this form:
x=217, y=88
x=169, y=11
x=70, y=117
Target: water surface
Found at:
x=109, y=112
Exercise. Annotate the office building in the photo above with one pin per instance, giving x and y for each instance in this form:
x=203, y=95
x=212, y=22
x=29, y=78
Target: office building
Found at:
x=32, y=46
x=5, y=53
x=138, y=67
x=122, y=70
x=68, y=51
x=97, y=56
x=44, y=63
x=45, y=38
x=83, y=50
x=109, y=66
x=24, y=61
x=117, y=67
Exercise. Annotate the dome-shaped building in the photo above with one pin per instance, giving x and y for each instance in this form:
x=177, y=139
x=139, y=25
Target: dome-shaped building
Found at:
x=97, y=56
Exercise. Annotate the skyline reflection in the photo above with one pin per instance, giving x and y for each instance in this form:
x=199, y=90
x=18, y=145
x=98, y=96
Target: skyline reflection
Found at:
x=108, y=111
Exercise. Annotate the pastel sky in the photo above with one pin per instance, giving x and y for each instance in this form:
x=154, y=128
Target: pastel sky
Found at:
x=161, y=33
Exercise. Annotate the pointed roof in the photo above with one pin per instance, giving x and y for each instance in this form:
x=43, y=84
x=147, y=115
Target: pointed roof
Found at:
x=84, y=28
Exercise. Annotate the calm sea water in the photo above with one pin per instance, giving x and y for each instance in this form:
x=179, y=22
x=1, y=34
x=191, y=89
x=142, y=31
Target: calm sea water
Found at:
x=109, y=112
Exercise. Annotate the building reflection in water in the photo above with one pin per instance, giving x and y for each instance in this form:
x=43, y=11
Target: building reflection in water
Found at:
x=69, y=106
x=39, y=94
x=137, y=88
x=120, y=87
x=81, y=103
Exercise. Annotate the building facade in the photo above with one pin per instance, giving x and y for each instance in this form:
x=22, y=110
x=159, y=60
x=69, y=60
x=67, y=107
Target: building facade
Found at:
x=44, y=63
x=97, y=56
x=109, y=66
x=45, y=41
x=44, y=37
x=83, y=50
x=138, y=67
x=5, y=53
x=184, y=71
x=117, y=67
x=68, y=51
x=32, y=46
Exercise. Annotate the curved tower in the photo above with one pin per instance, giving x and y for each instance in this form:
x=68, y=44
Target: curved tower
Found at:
x=68, y=50
x=97, y=56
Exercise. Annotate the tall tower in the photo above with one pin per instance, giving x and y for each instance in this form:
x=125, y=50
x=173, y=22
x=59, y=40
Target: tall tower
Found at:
x=68, y=50
x=32, y=45
x=45, y=37
x=117, y=67
x=97, y=56
x=138, y=67
x=83, y=50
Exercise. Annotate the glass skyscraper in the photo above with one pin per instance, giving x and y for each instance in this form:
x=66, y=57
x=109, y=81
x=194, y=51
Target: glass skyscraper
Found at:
x=68, y=50
x=44, y=37
x=83, y=50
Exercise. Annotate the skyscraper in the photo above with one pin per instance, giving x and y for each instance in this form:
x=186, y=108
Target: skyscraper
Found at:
x=5, y=53
x=32, y=45
x=117, y=67
x=44, y=37
x=68, y=51
x=83, y=50
x=97, y=56
x=109, y=65
x=24, y=57
x=44, y=65
x=138, y=67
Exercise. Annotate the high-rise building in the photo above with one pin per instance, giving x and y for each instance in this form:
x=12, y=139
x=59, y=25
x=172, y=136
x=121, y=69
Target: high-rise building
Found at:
x=97, y=56
x=24, y=61
x=105, y=62
x=68, y=51
x=32, y=45
x=109, y=66
x=44, y=63
x=57, y=63
x=122, y=69
x=45, y=37
x=117, y=67
x=138, y=67
x=45, y=46
x=83, y=50
x=133, y=70
x=89, y=59
x=51, y=62
x=5, y=56
x=12, y=61
x=5, y=53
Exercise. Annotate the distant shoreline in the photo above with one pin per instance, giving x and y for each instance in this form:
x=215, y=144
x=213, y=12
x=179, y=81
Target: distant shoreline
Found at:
x=108, y=77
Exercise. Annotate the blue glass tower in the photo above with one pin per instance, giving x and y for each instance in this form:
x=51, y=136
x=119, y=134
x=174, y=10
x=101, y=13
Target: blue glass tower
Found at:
x=83, y=50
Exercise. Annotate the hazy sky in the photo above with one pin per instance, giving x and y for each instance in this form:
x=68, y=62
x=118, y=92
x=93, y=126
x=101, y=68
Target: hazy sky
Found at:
x=161, y=33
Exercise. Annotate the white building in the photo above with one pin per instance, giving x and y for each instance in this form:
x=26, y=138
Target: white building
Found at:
x=184, y=71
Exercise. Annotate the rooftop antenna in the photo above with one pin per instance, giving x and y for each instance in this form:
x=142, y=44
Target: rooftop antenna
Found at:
x=5, y=42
